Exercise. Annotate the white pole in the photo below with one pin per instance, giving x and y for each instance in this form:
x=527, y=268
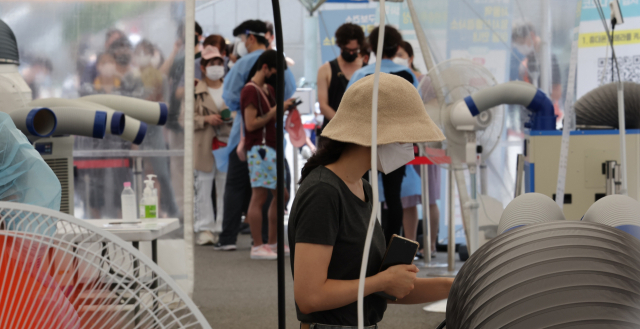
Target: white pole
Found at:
x=189, y=58
x=426, y=216
x=545, y=62
x=296, y=171
x=623, y=138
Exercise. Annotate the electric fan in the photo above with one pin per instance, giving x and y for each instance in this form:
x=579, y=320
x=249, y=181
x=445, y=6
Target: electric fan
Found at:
x=456, y=79
x=57, y=271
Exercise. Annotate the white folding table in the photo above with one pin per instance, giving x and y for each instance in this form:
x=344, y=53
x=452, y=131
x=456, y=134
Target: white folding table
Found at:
x=146, y=230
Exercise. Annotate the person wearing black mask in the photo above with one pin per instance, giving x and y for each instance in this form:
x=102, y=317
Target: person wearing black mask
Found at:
x=333, y=77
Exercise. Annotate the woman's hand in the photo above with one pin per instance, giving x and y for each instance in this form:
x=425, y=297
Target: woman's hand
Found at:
x=399, y=280
x=214, y=119
x=288, y=103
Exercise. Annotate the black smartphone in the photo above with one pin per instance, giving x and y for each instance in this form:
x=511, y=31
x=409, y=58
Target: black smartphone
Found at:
x=295, y=104
x=400, y=251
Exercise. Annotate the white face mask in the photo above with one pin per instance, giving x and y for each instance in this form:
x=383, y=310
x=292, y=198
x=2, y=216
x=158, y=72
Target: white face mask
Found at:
x=155, y=60
x=143, y=60
x=394, y=156
x=230, y=64
x=524, y=49
x=401, y=61
x=241, y=48
x=107, y=70
x=215, y=72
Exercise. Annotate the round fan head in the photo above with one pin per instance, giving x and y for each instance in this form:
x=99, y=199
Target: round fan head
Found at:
x=457, y=79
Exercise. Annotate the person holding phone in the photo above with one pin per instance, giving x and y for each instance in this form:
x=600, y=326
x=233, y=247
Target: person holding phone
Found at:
x=258, y=106
x=330, y=214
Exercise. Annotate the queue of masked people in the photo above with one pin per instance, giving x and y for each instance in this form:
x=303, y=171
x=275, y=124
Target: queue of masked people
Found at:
x=235, y=134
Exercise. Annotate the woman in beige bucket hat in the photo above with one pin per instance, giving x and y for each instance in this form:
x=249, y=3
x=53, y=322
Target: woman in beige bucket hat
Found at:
x=330, y=215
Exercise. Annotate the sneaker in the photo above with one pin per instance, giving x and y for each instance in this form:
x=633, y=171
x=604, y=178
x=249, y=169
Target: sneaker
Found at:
x=274, y=248
x=263, y=252
x=205, y=238
x=224, y=247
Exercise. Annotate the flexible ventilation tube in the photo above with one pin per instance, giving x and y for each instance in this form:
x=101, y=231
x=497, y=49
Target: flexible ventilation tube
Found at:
x=80, y=121
x=39, y=122
x=115, y=120
x=127, y=128
x=150, y=112
x=599, y=107
x=516, y=92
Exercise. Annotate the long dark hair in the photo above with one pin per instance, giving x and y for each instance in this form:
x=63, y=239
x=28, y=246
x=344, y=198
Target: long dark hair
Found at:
x=329, y=151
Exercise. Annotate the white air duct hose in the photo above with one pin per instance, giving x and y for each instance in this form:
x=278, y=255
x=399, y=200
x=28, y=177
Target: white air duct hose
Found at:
x=150, y=112
x=126, y=127
x=374, y=167
x=38, y=122
x=520, y=93
x=80, y=121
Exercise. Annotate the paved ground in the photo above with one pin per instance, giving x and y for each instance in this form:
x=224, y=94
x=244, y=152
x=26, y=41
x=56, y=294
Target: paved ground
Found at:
x=234, y=292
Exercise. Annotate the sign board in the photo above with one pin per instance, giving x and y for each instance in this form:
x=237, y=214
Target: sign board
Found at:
x=594, y=53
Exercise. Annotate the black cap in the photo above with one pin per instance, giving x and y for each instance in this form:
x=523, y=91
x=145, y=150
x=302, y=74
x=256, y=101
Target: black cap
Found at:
x=252, y=25
x=8, y=45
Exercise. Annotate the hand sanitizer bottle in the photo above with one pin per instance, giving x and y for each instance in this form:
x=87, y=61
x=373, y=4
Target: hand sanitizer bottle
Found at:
x=148, y=204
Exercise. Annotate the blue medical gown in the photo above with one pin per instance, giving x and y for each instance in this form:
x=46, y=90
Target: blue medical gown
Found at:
x=25, y=178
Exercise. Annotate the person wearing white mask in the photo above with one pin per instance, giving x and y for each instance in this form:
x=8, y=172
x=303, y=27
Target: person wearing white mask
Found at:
x=151, y=77
x=212, y=124
x=392, y=216
x=107, y=81
x=411, y=190
x=404, y=57
x=330, y=214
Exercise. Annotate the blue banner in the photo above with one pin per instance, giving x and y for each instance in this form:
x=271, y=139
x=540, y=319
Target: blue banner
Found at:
x=330, y=21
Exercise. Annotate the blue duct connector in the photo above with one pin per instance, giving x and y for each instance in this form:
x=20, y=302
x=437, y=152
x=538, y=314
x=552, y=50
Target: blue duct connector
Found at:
x=36, y=122
x=142, y=132
x=519, y=93
x=35, y=128
x=117, y=123
x=543, y=116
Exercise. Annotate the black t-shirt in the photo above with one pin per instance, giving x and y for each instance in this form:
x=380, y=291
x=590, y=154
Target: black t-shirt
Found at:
x=326, y=212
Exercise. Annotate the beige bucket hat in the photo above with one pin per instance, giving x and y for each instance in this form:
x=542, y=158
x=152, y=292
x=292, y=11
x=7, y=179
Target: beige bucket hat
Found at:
x=401, y=114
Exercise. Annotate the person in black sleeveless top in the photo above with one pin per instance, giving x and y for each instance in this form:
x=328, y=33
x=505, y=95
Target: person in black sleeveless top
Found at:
x=333, y=77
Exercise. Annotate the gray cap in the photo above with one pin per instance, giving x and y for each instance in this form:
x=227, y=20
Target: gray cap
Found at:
x=562, y=274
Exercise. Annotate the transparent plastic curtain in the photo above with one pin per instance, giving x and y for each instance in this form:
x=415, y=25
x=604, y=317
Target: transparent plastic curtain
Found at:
x=132, y=48
x=483, y=31
x=71, y=49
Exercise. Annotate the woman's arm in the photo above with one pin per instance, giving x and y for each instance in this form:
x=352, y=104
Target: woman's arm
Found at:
x=314, y=292
x=428, y=290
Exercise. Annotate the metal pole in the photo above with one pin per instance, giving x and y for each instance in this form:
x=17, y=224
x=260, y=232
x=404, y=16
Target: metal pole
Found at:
x=426, y=216
x=277, y=23
x=451, y=249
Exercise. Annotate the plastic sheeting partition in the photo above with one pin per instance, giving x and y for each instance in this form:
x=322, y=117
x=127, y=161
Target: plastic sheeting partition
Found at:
x=66, y=48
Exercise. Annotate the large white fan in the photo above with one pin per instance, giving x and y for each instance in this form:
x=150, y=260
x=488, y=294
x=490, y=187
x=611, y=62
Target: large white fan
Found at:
x=57, y=271
x=456, y=79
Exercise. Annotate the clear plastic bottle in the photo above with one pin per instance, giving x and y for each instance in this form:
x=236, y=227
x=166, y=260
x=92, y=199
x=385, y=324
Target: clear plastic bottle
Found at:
x=128, y=198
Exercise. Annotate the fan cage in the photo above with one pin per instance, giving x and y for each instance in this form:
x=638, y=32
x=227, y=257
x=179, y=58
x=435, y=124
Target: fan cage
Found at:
x=57, y=271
